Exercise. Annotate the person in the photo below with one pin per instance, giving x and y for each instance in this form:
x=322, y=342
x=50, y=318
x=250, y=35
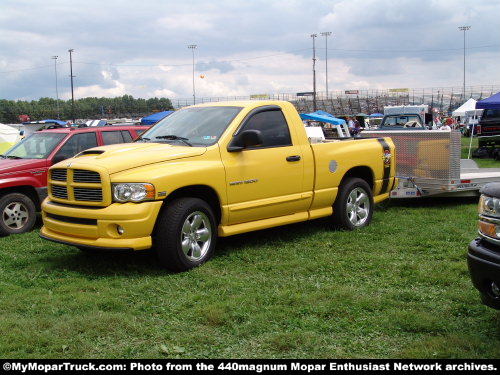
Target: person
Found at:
x=350, y=123
x=446, y=126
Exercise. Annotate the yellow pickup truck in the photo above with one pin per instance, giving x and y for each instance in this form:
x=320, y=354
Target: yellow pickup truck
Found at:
x=210, y=170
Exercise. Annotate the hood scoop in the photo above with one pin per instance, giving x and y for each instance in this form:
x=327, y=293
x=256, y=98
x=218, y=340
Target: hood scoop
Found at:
x=91, y=152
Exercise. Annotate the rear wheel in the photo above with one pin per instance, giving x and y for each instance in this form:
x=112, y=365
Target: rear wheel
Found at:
x=185, y=234
x=353, y=207
x=18, y=214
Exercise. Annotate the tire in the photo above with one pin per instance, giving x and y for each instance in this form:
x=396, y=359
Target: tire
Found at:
x=18, y=214
x=185, y=234
x=347, y=216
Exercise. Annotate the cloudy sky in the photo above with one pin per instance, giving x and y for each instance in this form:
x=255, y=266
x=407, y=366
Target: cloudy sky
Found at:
x=244, y=46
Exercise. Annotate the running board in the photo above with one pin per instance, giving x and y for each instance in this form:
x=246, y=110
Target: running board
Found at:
x=230, y=230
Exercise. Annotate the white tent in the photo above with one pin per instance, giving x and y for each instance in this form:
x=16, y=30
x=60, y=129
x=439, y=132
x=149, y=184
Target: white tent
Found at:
x=8, y=137
x=467, y=106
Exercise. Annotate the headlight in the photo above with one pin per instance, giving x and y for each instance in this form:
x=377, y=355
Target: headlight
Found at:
x=489, y=206
x=133, y=192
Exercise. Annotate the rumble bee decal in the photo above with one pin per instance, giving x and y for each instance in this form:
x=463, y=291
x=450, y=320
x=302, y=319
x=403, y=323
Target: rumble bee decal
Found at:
x=386, y=157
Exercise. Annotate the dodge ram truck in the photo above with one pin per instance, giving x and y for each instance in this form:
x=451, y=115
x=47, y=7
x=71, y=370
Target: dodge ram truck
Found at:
x=213, y=170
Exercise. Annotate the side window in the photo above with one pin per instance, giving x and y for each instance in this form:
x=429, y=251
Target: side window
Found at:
x=126, y=136
x=111, y=138
x=77, y=143
x=273, y=127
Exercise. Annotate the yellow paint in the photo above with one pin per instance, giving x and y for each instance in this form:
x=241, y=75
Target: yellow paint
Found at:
x=277, y=192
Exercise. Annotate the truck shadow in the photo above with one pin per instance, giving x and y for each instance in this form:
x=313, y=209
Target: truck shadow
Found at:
x=122, y=263
x=128, y=263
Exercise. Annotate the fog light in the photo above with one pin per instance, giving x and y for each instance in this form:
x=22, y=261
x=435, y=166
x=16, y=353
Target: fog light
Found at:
x=495, y=290
x=120, y=230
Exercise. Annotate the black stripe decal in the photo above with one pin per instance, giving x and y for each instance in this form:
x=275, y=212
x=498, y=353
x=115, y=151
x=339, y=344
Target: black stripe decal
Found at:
x=387, y=167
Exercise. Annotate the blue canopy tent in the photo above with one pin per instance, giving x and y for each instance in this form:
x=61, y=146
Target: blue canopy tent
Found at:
x=493, y=102
x=58, y=122
x=155, y=117
x=322, y=116
x=373, y=115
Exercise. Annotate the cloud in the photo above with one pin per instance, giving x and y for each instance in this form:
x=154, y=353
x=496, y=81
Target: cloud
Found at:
x=187, y=22
x=243, y=47
x=221, y=66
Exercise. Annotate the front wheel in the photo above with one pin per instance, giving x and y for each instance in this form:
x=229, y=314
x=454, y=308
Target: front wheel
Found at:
x=353, y=207
x=18, y=214
x=185, y=234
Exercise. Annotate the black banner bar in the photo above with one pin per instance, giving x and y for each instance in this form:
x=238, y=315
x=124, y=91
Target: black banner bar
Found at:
x=254, y=366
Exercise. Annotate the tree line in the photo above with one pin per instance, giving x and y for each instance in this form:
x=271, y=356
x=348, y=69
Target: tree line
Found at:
x=85, y=108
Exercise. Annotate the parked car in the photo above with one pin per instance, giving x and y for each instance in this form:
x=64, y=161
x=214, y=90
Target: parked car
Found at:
x=484, y=251
x=214, y=169
x=23, y=168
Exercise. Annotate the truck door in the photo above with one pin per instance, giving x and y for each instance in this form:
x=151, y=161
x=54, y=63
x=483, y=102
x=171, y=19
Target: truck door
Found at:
x=266, y=180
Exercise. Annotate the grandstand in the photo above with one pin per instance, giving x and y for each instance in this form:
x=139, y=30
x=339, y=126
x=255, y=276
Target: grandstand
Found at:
x=352, y=102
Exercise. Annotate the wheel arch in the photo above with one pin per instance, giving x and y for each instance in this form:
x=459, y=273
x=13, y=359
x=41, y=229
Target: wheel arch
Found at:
x=204, y=192
x=27, y=190
x=363, y=172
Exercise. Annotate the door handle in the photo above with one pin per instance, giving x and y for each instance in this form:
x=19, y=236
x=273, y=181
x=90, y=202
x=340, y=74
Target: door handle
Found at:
x=293, y=158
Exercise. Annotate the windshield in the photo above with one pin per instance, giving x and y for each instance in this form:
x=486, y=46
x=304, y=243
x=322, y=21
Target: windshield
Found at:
x=402, y=121
x=36, y=146
x=197, y=126
x=491, y=113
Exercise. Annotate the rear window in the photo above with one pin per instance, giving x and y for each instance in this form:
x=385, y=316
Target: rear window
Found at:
x=113, y=137
x=402, y=121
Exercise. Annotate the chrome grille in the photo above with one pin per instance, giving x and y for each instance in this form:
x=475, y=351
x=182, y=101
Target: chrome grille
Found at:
x=87, y=194
x=58, y=174
x=82, y=175
x=60, y=192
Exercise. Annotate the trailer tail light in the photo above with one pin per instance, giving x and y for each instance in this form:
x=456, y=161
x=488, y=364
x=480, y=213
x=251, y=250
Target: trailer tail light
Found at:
x=465, y=181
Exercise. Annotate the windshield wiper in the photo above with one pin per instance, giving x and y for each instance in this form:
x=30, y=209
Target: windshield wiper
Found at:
x=175, y=138
x=11, y=157
x=143, y=139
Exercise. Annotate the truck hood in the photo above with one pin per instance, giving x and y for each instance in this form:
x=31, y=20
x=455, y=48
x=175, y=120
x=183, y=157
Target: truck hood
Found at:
x=117, y=158
x=19, y=165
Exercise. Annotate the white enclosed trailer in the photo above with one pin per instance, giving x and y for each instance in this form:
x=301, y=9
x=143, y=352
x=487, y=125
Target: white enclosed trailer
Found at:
x=428, y=164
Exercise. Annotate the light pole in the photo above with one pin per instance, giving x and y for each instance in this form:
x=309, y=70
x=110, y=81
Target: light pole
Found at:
x=193, y=47
x=57, y=90
x=313, y=36
x=464, y=29
x=326, y=34
x=72, y=93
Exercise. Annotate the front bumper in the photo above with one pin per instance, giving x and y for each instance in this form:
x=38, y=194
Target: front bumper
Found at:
x=484, y=267
x=97, y=227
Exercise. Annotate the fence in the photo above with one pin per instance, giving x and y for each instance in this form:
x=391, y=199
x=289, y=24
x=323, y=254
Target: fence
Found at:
x=338, y=102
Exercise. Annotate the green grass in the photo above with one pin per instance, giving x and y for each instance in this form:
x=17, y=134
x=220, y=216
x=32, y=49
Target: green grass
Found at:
x=398, y=288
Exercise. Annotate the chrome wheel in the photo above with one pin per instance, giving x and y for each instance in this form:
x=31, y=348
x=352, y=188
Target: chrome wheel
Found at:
x=358, y=206
x=196, y=236
x=15, y=215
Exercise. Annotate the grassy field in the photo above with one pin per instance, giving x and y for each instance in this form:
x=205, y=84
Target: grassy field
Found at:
x=399, y=288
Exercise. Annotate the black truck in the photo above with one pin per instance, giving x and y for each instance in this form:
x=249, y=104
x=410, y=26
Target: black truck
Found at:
x=484, y=252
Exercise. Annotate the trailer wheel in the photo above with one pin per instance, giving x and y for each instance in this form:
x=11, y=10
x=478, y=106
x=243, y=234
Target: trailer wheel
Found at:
x=185, y=234
x=18, y=214
x=353, y=207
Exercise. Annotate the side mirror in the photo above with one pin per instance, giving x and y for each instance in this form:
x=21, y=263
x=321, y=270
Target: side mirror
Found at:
x=245, y=139
x=58, y=158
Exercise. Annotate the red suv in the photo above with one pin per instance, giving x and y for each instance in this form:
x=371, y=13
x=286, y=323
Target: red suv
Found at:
x=23, y=168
